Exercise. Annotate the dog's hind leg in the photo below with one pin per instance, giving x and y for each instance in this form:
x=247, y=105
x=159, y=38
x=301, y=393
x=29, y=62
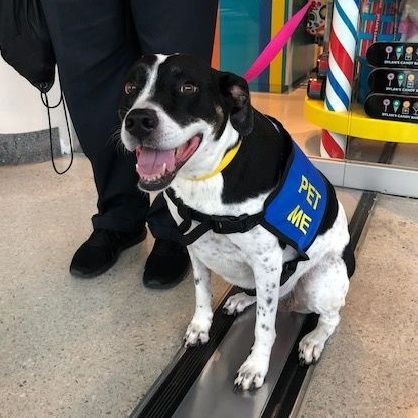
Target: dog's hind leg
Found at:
x=237, y=303
x=290, y=304
x=322, y=291
x=198, y=329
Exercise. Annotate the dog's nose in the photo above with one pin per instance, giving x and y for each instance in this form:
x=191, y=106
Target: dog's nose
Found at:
x=139, y=122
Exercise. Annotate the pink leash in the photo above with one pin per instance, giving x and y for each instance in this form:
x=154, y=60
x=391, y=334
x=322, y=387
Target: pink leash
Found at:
x=276, y=44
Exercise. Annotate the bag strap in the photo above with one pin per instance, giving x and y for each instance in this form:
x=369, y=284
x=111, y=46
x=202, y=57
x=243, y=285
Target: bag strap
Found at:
x=44, y=98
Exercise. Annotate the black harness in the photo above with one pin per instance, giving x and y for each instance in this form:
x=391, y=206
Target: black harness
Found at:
x=221, y=225
x=218, y=224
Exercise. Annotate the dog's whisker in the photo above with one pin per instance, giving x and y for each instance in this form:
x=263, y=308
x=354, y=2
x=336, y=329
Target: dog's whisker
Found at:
x=115, y=140
x=115, y=134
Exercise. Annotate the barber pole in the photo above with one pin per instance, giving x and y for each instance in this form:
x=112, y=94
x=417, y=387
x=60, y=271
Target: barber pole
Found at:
x=342, y=49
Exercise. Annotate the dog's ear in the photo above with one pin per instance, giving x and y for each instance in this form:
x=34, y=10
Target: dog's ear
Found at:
x=237, y=97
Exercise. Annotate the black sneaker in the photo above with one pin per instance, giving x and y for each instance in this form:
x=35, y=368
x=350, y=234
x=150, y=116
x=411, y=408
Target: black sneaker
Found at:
x=167, y=265
x=102, y=250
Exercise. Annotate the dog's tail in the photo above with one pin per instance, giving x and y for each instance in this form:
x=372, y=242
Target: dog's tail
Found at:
x=349, y=259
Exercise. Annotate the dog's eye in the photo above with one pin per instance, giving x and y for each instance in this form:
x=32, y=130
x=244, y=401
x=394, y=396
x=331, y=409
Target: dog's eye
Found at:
x=188, y=89
x=130, y=88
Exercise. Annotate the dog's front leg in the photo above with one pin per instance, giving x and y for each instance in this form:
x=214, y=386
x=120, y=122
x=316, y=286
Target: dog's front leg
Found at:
x=267, y=271
x=198, y=329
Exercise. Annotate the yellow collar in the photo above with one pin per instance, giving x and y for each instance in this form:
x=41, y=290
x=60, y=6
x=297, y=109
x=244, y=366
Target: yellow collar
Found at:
x=228, y=157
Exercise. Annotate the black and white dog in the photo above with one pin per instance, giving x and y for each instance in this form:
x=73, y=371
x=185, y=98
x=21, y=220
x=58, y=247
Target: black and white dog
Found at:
x=197, y=137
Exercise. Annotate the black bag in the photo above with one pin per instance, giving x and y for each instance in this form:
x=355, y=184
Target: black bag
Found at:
x=25, y=43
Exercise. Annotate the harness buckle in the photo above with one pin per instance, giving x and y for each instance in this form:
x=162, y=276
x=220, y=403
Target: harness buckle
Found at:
x=229, y=224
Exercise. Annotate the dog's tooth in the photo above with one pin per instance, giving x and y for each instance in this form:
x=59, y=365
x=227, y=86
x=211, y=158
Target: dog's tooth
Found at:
x=164, y=168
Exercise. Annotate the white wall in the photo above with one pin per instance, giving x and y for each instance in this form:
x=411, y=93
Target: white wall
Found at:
x=21, y=109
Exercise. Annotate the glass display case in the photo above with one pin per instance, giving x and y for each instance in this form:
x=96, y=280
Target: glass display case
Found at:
x=369, y=109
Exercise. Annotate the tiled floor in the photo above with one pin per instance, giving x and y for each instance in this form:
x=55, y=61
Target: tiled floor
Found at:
x=75, y=348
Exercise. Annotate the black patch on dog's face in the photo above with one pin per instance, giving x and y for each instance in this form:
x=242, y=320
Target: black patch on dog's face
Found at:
x=218, y=95
x=137, y=77
x=178, y=73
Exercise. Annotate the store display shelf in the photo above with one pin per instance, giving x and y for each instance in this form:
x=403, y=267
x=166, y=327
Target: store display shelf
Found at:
x=359, y=125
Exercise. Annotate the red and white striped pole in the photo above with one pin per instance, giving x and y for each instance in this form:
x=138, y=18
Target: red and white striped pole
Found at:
x=342, y=49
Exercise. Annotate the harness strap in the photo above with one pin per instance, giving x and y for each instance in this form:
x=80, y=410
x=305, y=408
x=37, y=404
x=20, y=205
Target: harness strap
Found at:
x=218, y=224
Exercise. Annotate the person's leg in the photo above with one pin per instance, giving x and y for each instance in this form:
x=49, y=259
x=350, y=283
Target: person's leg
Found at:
x=167, y=27
x=171, y=26
x=94, y=51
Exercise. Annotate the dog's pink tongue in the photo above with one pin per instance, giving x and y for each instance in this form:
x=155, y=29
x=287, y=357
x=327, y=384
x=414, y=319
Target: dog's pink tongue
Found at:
x=151, y=162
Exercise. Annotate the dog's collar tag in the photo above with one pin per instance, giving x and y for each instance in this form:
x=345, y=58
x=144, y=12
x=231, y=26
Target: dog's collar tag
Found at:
x=228, y=157
x=295, y=210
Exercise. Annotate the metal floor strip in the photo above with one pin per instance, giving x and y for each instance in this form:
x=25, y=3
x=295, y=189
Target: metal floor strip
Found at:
x=212, y=394
x=170, y=388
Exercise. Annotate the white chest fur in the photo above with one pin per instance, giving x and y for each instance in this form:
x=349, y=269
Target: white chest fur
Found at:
x=226, y=255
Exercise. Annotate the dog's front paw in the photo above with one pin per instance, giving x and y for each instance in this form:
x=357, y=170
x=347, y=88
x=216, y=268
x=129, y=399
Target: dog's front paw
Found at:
x=251, y=374
x=310, y=348
x=197, y=333
x=237, y=303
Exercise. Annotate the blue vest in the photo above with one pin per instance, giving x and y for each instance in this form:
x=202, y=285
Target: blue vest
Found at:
x=295, y=210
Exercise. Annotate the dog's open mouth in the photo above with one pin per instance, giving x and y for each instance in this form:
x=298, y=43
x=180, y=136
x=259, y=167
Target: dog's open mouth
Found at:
x=157, y=168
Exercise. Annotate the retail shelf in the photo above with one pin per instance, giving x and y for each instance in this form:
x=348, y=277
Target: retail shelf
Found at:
x=357, y=124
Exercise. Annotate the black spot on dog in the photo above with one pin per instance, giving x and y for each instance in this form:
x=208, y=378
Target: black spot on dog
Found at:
x=349, y=260
x=264, y=147
x=269, y=300
x=137, y=76
x=196, y=281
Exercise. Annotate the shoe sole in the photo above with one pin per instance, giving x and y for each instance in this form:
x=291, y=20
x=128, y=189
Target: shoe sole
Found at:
x=170, y=285
x=106, y=267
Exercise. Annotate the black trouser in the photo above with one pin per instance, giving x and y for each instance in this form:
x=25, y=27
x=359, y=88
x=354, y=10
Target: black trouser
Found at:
x=95, y=42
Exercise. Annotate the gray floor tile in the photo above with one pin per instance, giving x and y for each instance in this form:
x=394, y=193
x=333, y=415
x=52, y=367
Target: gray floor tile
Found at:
x=70, y=347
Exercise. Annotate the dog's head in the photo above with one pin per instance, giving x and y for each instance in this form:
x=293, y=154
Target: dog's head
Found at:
x=179, y=116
